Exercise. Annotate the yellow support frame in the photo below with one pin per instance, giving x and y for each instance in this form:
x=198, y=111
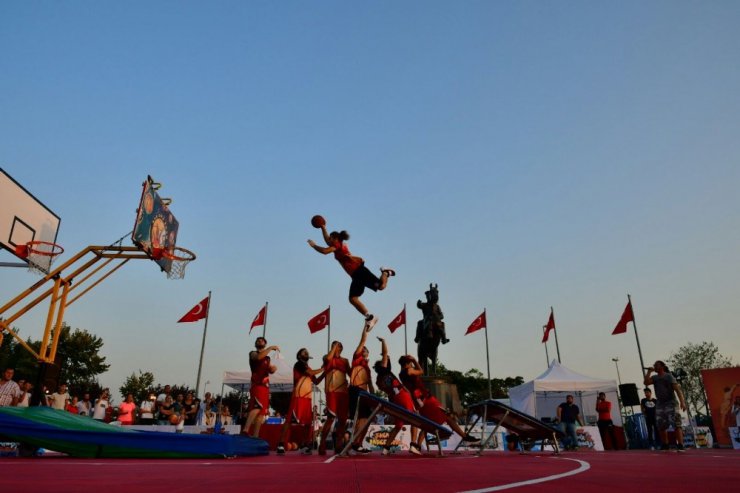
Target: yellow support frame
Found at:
x=87, y=258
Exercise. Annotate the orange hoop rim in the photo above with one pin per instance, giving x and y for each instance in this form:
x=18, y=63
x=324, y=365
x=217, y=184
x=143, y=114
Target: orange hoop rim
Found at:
x=28, y=249
x=185, y=255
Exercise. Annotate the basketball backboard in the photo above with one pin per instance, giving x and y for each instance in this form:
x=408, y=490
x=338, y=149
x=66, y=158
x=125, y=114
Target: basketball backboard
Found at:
x=24, y=218
x=155, y=226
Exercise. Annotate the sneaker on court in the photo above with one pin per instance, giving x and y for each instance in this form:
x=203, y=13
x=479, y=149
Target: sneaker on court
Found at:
x=280, y=449
x=360, y=450
x=664, y=448
x=370, y=321
x=680, y=448
x=306, y=451
x=386, y=451
x=390, y=272
x=470, y=438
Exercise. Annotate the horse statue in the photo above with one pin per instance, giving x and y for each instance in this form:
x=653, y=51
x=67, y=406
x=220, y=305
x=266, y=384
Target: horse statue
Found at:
x=430, y=331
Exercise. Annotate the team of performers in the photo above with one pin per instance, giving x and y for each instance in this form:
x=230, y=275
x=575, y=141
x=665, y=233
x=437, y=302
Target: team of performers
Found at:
x=343, y=380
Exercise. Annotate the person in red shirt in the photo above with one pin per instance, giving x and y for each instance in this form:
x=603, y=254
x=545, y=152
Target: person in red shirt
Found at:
x=126, y=410
x=605, y=423
x=300, y=410
x=397, y=394
x=427, y=404
x=354, y=266
x=336, y=369
x=259, y=392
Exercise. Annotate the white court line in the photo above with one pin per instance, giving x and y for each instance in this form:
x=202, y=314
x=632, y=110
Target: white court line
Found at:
x=584, y=466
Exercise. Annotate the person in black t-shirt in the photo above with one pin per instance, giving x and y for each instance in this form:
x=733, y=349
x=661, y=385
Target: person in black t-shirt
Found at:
x=568, y=415
x=647, y=406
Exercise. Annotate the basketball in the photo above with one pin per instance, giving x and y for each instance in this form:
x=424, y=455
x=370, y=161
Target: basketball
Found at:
x=318, y=221
x=174, y=419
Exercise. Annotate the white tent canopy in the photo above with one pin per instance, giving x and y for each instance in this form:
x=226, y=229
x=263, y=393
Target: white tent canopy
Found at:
x=542, y=396
x=280, y=381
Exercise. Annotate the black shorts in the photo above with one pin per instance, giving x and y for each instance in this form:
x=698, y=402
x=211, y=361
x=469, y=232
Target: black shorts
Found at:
x=361, y=279
x=365, y=411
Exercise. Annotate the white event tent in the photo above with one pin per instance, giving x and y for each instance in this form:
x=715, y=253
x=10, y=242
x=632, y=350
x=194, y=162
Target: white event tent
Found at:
x=542, y=396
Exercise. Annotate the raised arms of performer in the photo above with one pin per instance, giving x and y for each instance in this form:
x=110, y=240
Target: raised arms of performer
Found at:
x=261, y=354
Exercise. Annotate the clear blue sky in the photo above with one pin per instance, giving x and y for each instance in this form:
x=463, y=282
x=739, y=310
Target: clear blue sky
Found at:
x=521, y=155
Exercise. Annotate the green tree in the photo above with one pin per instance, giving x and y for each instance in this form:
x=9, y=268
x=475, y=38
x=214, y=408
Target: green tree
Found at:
x=472, y=386
x=139, y=385
x=78, y=354
x=692, y=358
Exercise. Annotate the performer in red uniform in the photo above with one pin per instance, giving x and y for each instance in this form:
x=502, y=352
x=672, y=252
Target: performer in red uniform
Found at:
x=259, y=392
x=300, y=410
x=336, y=368
x=360, y=379
x=397, y=394
x=354, y=266
x=426, y=403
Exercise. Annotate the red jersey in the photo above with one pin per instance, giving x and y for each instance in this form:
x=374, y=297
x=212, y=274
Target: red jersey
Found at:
x=349, y=263
x=300, y=370
x=260, y=369
x=337, y=363
x=415, y=384
x=604, y=408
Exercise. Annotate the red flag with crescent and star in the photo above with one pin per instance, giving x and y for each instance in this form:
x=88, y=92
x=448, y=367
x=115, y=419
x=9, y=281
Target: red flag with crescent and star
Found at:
x=477, y=324
x=550, y=326
x=259, y=319
x=398, y=321
x=627, y=317
x=198, y=312
x=319, y=322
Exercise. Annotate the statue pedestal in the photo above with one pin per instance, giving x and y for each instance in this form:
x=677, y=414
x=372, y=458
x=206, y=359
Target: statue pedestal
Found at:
x=445, y=391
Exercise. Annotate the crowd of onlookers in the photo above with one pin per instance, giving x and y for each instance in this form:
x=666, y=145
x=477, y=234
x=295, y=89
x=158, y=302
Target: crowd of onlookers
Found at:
x=164, y=409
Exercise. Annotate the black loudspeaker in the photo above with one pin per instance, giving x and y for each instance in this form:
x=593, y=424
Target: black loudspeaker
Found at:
x=628, y=392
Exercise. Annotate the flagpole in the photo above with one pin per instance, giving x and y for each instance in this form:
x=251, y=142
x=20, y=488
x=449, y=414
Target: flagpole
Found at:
x=328, y=333
x=203, y=346
x=634, y=325
x=488, y=359
x=547, y=354
x=405, y=336
x=264, y=326
x=557, y=346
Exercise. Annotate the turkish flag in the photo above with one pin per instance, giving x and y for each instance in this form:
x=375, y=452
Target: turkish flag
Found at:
x=398, y=321
x=627, y=317
x=198, y=312
x=259, y=319
x=477, y=324
x=550, y=326
x=319, y=322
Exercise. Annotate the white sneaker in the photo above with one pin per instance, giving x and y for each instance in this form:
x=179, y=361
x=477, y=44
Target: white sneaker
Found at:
x=370, y=322
x=386, y=451
x=414, y=449
x=306, y=451
x=390, y=271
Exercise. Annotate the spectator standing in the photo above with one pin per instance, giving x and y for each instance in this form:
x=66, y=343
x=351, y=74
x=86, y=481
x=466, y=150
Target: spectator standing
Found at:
x=190, y=409
x=59, y=399
x=127, y=410
x=100, y=409
x=666, y=390
x=85, y=407
x=167, y=391
x=25, y=397
x=605, y=423
x=10, y=393
x=568, y=415
x=147, y=408
x=165, y=411
x=647, y=406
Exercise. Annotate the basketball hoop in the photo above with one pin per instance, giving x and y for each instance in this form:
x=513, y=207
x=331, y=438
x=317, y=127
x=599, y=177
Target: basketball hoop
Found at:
x=179, y=257
x=39, y=255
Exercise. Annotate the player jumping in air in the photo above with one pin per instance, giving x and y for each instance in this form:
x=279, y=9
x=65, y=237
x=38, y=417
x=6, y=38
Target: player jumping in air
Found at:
x=354, y=266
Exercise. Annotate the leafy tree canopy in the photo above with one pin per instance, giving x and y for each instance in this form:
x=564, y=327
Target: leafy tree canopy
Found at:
x=692, y=358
